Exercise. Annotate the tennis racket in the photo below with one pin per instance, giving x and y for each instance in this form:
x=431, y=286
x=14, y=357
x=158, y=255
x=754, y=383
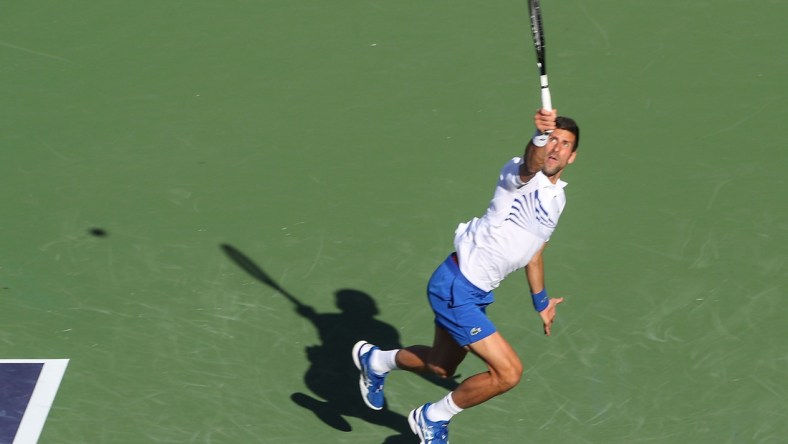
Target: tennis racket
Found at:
x=538, y=34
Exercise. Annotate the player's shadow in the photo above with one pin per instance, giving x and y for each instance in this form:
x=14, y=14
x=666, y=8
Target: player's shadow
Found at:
x=332, y=377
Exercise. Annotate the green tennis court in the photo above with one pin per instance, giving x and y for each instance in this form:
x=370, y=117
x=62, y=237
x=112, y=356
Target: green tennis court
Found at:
x=207, y=203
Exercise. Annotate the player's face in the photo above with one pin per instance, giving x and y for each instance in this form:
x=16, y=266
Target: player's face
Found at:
x=558, y=152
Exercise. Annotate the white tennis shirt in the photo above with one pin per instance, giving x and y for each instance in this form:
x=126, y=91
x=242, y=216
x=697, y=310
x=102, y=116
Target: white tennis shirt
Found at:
x=520, y=219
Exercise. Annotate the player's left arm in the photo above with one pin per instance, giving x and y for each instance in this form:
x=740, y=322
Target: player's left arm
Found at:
x=534, y=273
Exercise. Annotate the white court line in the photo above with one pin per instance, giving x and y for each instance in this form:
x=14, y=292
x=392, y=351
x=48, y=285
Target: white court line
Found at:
x=42, y=398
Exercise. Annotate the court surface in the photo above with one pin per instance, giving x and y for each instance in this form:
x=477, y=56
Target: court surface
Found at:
x=205, y=204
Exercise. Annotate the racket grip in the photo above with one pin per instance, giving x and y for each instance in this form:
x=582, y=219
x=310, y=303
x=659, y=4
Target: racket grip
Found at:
x=547, y=102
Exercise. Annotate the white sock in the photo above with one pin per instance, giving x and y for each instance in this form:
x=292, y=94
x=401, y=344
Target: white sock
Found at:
x=383, y=361
x=443, y=410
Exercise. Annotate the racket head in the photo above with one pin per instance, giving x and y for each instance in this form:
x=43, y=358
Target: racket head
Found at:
x=537, y=31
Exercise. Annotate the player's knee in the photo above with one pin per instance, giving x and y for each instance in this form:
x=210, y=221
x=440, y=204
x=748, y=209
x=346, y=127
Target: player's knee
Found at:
x=509, y=376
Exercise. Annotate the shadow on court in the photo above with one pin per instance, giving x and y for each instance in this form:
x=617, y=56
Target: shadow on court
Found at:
x=332, y=377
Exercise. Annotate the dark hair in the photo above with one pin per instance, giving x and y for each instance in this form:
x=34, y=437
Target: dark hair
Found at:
x=566, y=123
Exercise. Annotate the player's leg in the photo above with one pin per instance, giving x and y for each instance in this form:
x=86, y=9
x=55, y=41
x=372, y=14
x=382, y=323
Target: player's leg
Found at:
x=460, y=321
x=442, y=359
x=431, y=421
x=504, y=372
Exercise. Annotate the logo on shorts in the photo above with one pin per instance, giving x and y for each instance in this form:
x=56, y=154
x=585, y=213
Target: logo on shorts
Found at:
x=475, y=331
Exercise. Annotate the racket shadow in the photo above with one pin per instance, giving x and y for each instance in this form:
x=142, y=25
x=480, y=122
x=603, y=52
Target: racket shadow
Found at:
x=332, y=377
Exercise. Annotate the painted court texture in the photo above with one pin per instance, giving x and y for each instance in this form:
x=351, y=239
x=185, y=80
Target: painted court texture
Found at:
x=206, y=204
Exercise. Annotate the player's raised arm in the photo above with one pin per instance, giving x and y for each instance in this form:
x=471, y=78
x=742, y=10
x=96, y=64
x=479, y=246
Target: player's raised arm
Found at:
x=533, y=158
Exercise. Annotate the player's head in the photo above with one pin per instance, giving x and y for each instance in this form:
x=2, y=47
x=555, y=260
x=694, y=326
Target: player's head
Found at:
x=566, y=123
x=561, y=147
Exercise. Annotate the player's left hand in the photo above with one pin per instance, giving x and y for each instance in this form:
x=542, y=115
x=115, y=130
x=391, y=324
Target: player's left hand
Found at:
x=548, y=314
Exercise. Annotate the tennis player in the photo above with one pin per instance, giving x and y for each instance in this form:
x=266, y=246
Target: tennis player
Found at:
x=524, y=211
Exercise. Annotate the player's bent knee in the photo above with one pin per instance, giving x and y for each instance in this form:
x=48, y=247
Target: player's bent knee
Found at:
x=511, y=380
x=509, y=377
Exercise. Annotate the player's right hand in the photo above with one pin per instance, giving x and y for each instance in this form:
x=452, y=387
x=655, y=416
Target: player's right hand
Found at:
x=544, y=120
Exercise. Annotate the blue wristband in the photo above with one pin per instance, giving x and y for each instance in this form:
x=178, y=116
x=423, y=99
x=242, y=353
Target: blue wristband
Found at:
x=541, y=300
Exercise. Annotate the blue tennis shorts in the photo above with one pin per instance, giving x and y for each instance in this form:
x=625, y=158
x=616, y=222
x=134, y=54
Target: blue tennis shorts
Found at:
x=459, y=306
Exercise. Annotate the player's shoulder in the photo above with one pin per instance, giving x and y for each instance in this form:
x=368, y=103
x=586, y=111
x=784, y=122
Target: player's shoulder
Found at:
x=509, y=177
x=512, y=165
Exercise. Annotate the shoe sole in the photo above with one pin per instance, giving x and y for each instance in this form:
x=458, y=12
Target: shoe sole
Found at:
x=414, y=423
x=362, y=387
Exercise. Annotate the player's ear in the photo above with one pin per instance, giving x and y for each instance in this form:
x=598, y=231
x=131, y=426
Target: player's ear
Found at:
x=572, y=157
